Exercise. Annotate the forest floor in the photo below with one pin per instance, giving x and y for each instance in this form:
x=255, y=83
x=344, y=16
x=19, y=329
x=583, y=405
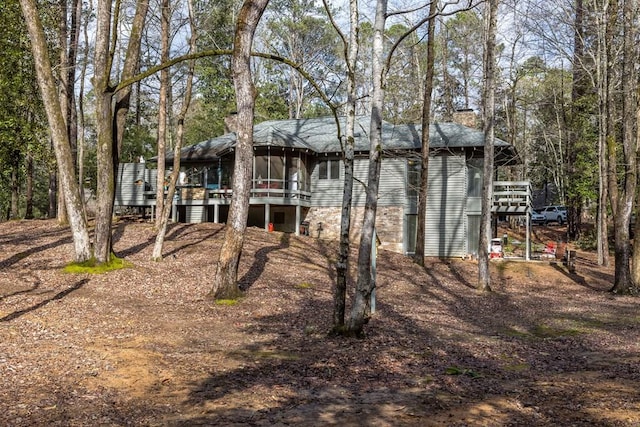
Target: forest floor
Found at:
x=144, y=346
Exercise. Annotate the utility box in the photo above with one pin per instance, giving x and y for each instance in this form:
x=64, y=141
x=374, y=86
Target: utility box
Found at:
x=495, y=249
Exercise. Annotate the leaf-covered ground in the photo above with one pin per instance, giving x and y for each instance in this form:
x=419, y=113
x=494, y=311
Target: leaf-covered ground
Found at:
x=144, y=346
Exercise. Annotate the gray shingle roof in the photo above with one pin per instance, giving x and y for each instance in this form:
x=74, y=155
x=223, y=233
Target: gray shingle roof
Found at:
x=320, y=135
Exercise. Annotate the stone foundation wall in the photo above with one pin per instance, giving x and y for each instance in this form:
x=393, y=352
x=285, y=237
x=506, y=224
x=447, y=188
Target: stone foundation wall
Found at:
x=193, y=193
x=324, y=222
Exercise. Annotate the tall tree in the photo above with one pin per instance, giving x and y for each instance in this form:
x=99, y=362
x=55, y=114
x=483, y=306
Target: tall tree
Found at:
x=361, y=308
x=489, y=88
x=225, y=283
x=426, y=118
x=108, y=114
x=604, y=77
x=623, y=280
x=59, y=135
x=351, y=47
x=465, y=57
x=297, y=30
x=163, y=106
x=164, y=215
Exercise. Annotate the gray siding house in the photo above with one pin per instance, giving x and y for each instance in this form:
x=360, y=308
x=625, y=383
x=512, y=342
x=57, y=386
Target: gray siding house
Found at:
x=298, y=179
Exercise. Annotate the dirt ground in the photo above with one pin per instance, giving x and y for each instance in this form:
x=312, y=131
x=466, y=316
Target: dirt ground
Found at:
x=144, y=346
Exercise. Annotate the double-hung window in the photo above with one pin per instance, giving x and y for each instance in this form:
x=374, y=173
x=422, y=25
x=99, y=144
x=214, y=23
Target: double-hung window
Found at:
x=329, y=169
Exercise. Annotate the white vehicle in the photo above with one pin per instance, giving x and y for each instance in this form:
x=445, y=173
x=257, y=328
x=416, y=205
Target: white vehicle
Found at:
x=537, y=218
x=554, y=214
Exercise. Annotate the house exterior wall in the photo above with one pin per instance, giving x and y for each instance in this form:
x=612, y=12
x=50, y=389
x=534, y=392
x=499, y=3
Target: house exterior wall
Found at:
x=446, y=222
x=132, y=179
x=446, y=233
x=391, y=192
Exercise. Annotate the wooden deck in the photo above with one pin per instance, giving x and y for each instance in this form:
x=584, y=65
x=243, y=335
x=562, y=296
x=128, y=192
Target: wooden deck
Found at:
x=511, y=197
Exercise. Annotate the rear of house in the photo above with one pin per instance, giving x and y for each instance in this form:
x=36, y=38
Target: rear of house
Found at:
x=298, y=180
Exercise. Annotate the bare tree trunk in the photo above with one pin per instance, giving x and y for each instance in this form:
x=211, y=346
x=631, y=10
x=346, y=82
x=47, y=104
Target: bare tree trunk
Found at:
x=53, y=192
x=81, y=126
x=610, y=141
x=29, y=188
x=604, y=76
x=72, y=59
x=623, y=281
x=426, y=118
x=484, y=277
x=578, y=90
x=61, y=206
x=162, y=115
x=361, y=309
x=63, y=87
x=226, y=280
x=130, y=67
x=447, y=114
x=15, y=189
x=104, y=127
x=107, y=133
x=164, y=218
x=342, y=265
x=46, y=81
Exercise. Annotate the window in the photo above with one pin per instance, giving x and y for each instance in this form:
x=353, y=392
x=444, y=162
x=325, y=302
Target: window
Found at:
x=261, y=169
x=474, y=176
x=413, y=177
x=411, y=232
x=329, y=169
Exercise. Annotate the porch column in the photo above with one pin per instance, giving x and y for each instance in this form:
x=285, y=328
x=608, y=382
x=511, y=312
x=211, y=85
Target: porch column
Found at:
x=267, y=215
x=174, y=209
x=216, y=213
x=298, y=218
x=527, y=247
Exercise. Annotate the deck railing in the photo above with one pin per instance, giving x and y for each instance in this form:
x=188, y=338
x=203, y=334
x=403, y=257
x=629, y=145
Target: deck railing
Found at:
x=511, y=197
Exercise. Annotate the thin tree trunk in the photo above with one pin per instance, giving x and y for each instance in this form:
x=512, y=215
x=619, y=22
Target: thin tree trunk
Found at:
x=484, y=277
x=226, y=279
x=164, y=218
x=578, y=90
x=610, y=140
x=44, y=74
x=29, y=188
x=61, y=214
x=63, y=87
x=342, y=265
x=161, y=202
x=72, y=59
x=426, y=118
x=623, y=280
x=603, y=91
x=53, y=192
x=130, y=67
x=447, y=114
x=81, y=126
x=15, y=189
x=361, y=308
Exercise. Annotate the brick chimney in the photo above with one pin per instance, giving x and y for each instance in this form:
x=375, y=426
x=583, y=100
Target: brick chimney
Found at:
x=466, y=117
x=231, y=122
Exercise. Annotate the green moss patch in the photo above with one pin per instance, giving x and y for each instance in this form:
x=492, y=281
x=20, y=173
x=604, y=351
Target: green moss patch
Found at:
x=304, y=285
x=227, y=302
x=92, y=266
